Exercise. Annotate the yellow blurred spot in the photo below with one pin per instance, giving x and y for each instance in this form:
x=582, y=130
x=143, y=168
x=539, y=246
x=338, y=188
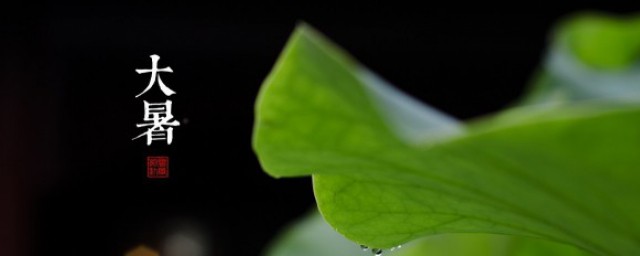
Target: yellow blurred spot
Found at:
x=142, y=250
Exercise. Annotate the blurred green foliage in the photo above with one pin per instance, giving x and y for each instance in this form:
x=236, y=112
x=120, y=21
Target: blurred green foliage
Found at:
x=603, y=41
x=312, y=236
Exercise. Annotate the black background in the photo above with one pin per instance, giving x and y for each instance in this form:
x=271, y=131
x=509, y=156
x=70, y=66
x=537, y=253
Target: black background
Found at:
x=69, y=111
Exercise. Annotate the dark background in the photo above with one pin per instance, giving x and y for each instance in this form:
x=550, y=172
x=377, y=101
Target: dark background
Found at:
x=73, y=183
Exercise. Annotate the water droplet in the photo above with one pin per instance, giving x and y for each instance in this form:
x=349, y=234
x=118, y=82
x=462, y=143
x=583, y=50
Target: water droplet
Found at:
x=377, y=252
x=396, y=248
x=364, y=247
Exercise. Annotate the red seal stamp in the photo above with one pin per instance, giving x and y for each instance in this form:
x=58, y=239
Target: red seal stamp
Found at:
x=157, y=167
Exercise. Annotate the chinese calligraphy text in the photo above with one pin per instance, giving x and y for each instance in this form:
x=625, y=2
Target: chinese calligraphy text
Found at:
x=157, y=115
